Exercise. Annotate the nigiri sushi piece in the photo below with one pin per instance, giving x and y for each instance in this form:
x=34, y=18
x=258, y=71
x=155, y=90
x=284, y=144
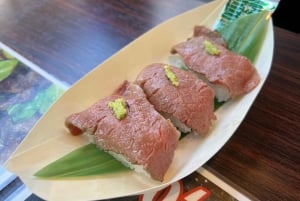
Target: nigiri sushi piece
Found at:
x=127, y=126
x=228, y=73
x=179, y=95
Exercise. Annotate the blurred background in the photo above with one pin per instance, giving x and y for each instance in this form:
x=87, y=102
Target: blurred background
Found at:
x=287, y=15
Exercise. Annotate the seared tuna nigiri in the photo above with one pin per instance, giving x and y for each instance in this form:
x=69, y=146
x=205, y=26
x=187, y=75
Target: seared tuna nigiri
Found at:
x=189, y=104
x=231, y=74
x=142, y=136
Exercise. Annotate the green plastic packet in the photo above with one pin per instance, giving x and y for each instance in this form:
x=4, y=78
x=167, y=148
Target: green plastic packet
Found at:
x=235, y=9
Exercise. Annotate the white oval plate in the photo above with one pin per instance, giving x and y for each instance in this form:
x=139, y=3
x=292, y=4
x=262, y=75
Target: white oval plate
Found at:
x=49, y=139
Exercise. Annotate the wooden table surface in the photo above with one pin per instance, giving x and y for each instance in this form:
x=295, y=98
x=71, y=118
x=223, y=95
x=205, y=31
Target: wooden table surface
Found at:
x=69, y=38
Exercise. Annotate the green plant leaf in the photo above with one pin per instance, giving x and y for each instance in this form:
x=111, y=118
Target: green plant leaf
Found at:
x=85, y=161
x=7, y=67
x=246, y=34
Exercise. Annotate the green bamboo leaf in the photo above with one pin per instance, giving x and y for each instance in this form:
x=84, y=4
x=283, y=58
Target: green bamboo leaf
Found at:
x=246, y=34
x=7, y=67
x=85, y=161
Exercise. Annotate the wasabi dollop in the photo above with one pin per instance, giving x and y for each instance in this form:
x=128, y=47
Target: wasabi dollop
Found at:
x=211, y=49
x=118, y=106
x=171, y=76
